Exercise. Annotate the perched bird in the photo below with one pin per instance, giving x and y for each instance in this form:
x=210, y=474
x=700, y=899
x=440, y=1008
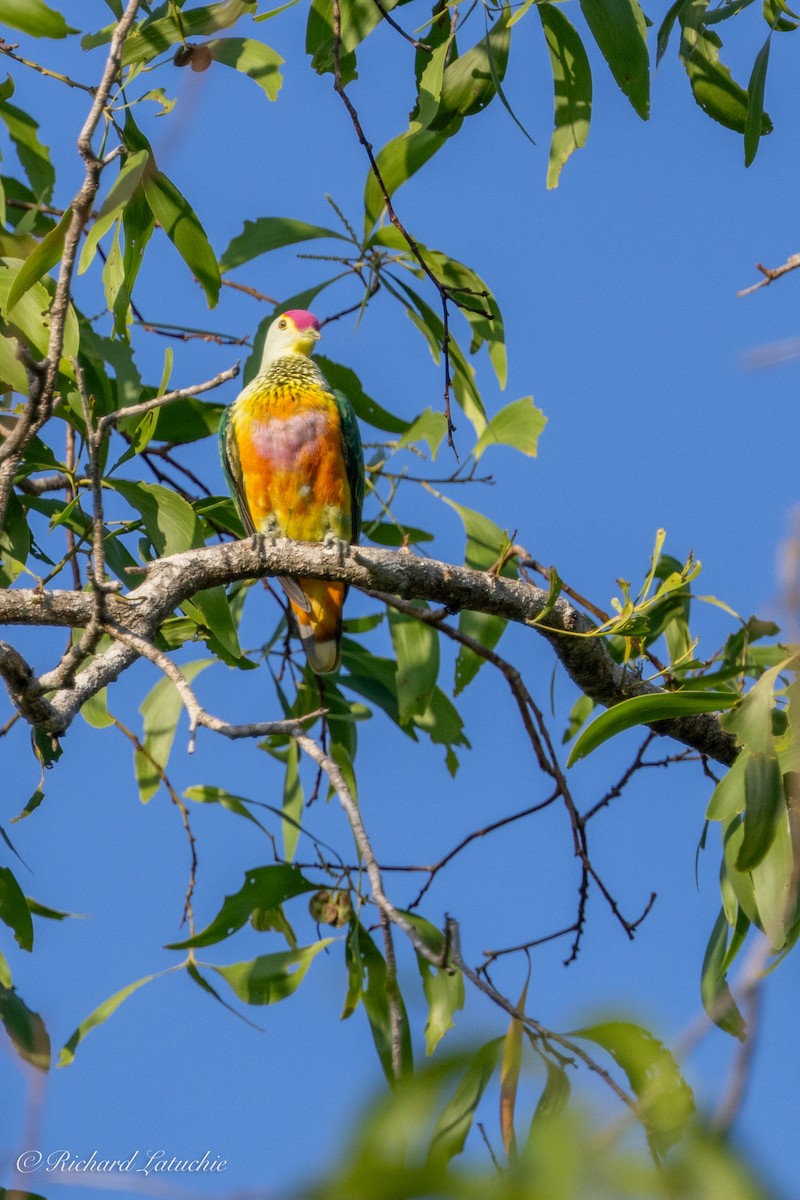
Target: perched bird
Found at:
x=291, y=453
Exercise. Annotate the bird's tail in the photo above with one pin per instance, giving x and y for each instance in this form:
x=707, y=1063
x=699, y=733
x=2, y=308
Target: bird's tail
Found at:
x=320, y=624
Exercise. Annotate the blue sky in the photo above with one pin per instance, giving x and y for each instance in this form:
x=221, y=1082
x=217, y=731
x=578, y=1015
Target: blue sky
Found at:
x=619, y=297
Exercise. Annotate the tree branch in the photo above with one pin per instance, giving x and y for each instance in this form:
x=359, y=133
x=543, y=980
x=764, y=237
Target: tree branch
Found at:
x=171, y=580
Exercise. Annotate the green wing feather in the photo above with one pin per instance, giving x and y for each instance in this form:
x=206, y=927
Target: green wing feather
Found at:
x=232, y=470
x=353, y=460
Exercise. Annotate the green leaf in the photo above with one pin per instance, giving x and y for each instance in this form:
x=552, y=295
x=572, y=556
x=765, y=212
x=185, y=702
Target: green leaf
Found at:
x=644, y=710
x=712, y=86
x=456, y=1119
x=152, y=37
x=49, y=914
x=34, y=17
x=344, y=380
x=34, y=156
x=665, y=1099
x=764, y=805
x=399, y=159
x=14, y=911
x=374, y=995
x=358, y=18
x=126, y=183
x=384, y=534
x=270, y=233
x=428, y=427
x=728, y=797
x=205, y=794
x=264, y=888
x=751, y=719
x=754, y=123
x=15, y=542
x=253, y=59
x=518, y=424
x=161, y=708
x=271, y=977
x=31, y=325
x=572, y=81
x=43, y=259
x=666, y=27
x=509, y=1074
x=717, y=998
x=169, y=520
x=618, y=27
x=468, y=84
x=178, y=220
x=416, y=646
x=25, y=1028
x=554, y=1097
x=579, y=714
x=774, y=886
x=293, y=801
x=443, y=986
x=101, y=1015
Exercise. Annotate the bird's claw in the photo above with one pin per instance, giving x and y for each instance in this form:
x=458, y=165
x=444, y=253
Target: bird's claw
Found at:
x=338, y=545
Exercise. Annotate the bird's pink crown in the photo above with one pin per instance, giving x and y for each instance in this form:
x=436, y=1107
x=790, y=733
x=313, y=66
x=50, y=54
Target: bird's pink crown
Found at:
x=302, y=319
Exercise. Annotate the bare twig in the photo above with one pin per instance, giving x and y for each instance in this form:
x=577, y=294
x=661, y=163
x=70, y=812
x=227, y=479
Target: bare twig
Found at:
x=137, y=410
x=771, y=274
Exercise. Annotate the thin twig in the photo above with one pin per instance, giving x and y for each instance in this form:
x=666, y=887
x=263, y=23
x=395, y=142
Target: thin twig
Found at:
x=771, y=274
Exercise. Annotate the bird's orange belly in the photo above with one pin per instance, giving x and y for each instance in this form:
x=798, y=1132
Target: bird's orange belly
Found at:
x=294, y=474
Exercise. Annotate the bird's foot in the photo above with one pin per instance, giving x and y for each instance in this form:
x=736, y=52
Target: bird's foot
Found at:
x=338, y=545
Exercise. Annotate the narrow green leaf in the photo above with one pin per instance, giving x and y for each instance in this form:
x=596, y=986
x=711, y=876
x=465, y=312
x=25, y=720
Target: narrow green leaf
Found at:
x=572, y=82
x=554, y=1097
x=95, y=710
x=293, y=801
x=399, y=159
x=713, y=88
x=376, y=1002
x=416, y=646
x=509, y=1074
x=579, y=714
x=271, y=977
x=751, y=718
x=270, y=233
x=456, y=1119
x=15, y=542
x=519, y=424
x=161, y=709
x=25, y=1028
x=101, y=1015
x=43, y=259
x=728, y=797
x=179, y=221
x=204, y=794
x=717, y=998
x=644, y=710
x=764, y=804
x=618, y=27
x=443, y=986
x=252, y=58
x=666, y=27
x=14, y=911
x=126, y=183
x=754, y=123
x=665, y=1099
x=264, y=888
x=34, y=156
x=384, y=534
x=34, y=17
x=468, y=85
x=151, y=37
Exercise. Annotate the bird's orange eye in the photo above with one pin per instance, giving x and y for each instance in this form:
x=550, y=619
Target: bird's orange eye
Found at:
x=281, y=323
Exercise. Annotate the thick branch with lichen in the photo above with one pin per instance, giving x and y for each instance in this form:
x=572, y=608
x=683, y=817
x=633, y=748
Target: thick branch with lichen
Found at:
x=172, y=580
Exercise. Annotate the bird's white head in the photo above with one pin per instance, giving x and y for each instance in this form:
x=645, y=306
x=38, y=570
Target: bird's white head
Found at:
x=293, y=332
